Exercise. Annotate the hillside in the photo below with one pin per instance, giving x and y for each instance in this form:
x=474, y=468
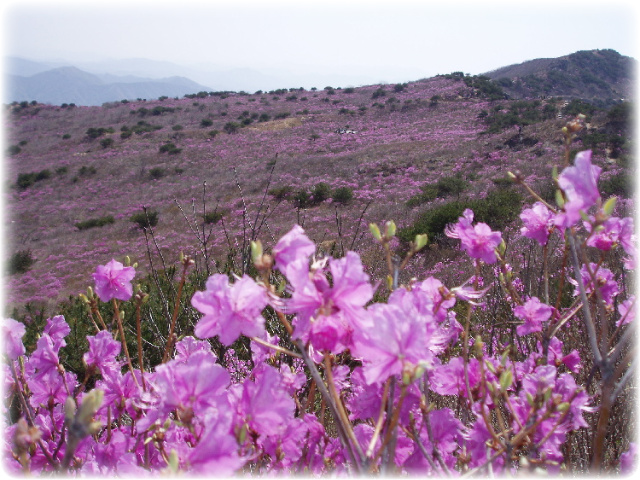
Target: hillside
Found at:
x=601, y=76
x=76, y=175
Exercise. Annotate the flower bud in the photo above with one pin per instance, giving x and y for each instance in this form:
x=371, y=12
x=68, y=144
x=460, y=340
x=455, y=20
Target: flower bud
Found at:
x=69, y=410
x=389, y=282
x=609, y=205
x=173, y=462
x=506, y=379
x=256, y=251
x=559, y=199
x=420, y=242
x=391, y=229
x=375, y=231
x=127, y=261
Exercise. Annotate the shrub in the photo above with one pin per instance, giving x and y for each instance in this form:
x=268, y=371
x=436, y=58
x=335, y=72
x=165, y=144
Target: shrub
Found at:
x=302, y=199
x=66, y=136
x=157, y=172
x=231, y=127
x=20, y=262
x=378, y=93
x=620, y=184
x=498, y=209
x=206, y=122
x=107, y=142
x=321, y=192
x=144, y=127
x=98, y=132
x=95, y=222
x=264, y=117
x=84, y=170
x=169, y=148
x=177, y=128
x=429, y=193
x=342, y=195
x=213, y=133
x=212, y=217
x=450, y=186
x=14, y=150
x=25, y=180
x=62, y=170
x=145, y=219
x=280, y=193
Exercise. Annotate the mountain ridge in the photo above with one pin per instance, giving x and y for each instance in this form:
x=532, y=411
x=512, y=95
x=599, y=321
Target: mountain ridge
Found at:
x=587, y=74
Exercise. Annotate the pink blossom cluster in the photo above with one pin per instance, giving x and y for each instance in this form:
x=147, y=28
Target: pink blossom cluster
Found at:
x=376, y=364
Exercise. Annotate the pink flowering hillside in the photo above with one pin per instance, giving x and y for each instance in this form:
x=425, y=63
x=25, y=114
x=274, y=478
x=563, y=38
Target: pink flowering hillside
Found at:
x=425, y=279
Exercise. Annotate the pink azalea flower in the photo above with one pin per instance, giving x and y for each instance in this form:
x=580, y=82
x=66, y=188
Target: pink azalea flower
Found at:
x=293, y=250
x=263, y=404
x=534, y=313
x=197, y=385
x=629, y=460
x=605, y=281
x=327, y=315
x=448, y=379
x=113, y=280
x=580, y=185
x=537, y=223
x=217, y=451
x=393, y=342
x=57, y=328
x=230, y=310
x=627, y=311
x=13, y=331
x=606, y=236
x=478, y=241
x=102, y=353
x=190, y=345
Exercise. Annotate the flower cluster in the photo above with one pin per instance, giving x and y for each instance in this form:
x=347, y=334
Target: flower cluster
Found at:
x=378, y=368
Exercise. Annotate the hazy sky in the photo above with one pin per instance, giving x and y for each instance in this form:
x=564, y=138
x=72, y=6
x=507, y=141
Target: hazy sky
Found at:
x=428, y=37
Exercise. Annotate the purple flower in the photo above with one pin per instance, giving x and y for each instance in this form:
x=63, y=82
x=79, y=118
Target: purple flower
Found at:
x=57, y=328
x=190, y=345
x=326, y=315
x=45, y=357
x=627, y=311
x=449, y=379
x=605, y=282
x=230, y=310
x=217, y=451
x=478, y=241
x=393, y=343
x=113, y=280
x=580, y=185
x=537, y=223
x=194, y=387
x=263, y=404
x=533, y=312
x=293, y=250
x=629, y=459
x=102, y=353
x=13, y=331
x=605, y=237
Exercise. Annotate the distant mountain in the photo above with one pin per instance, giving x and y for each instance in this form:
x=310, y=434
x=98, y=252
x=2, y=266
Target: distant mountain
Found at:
x=600, y=76
x=26, y=68
x=72, y=85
